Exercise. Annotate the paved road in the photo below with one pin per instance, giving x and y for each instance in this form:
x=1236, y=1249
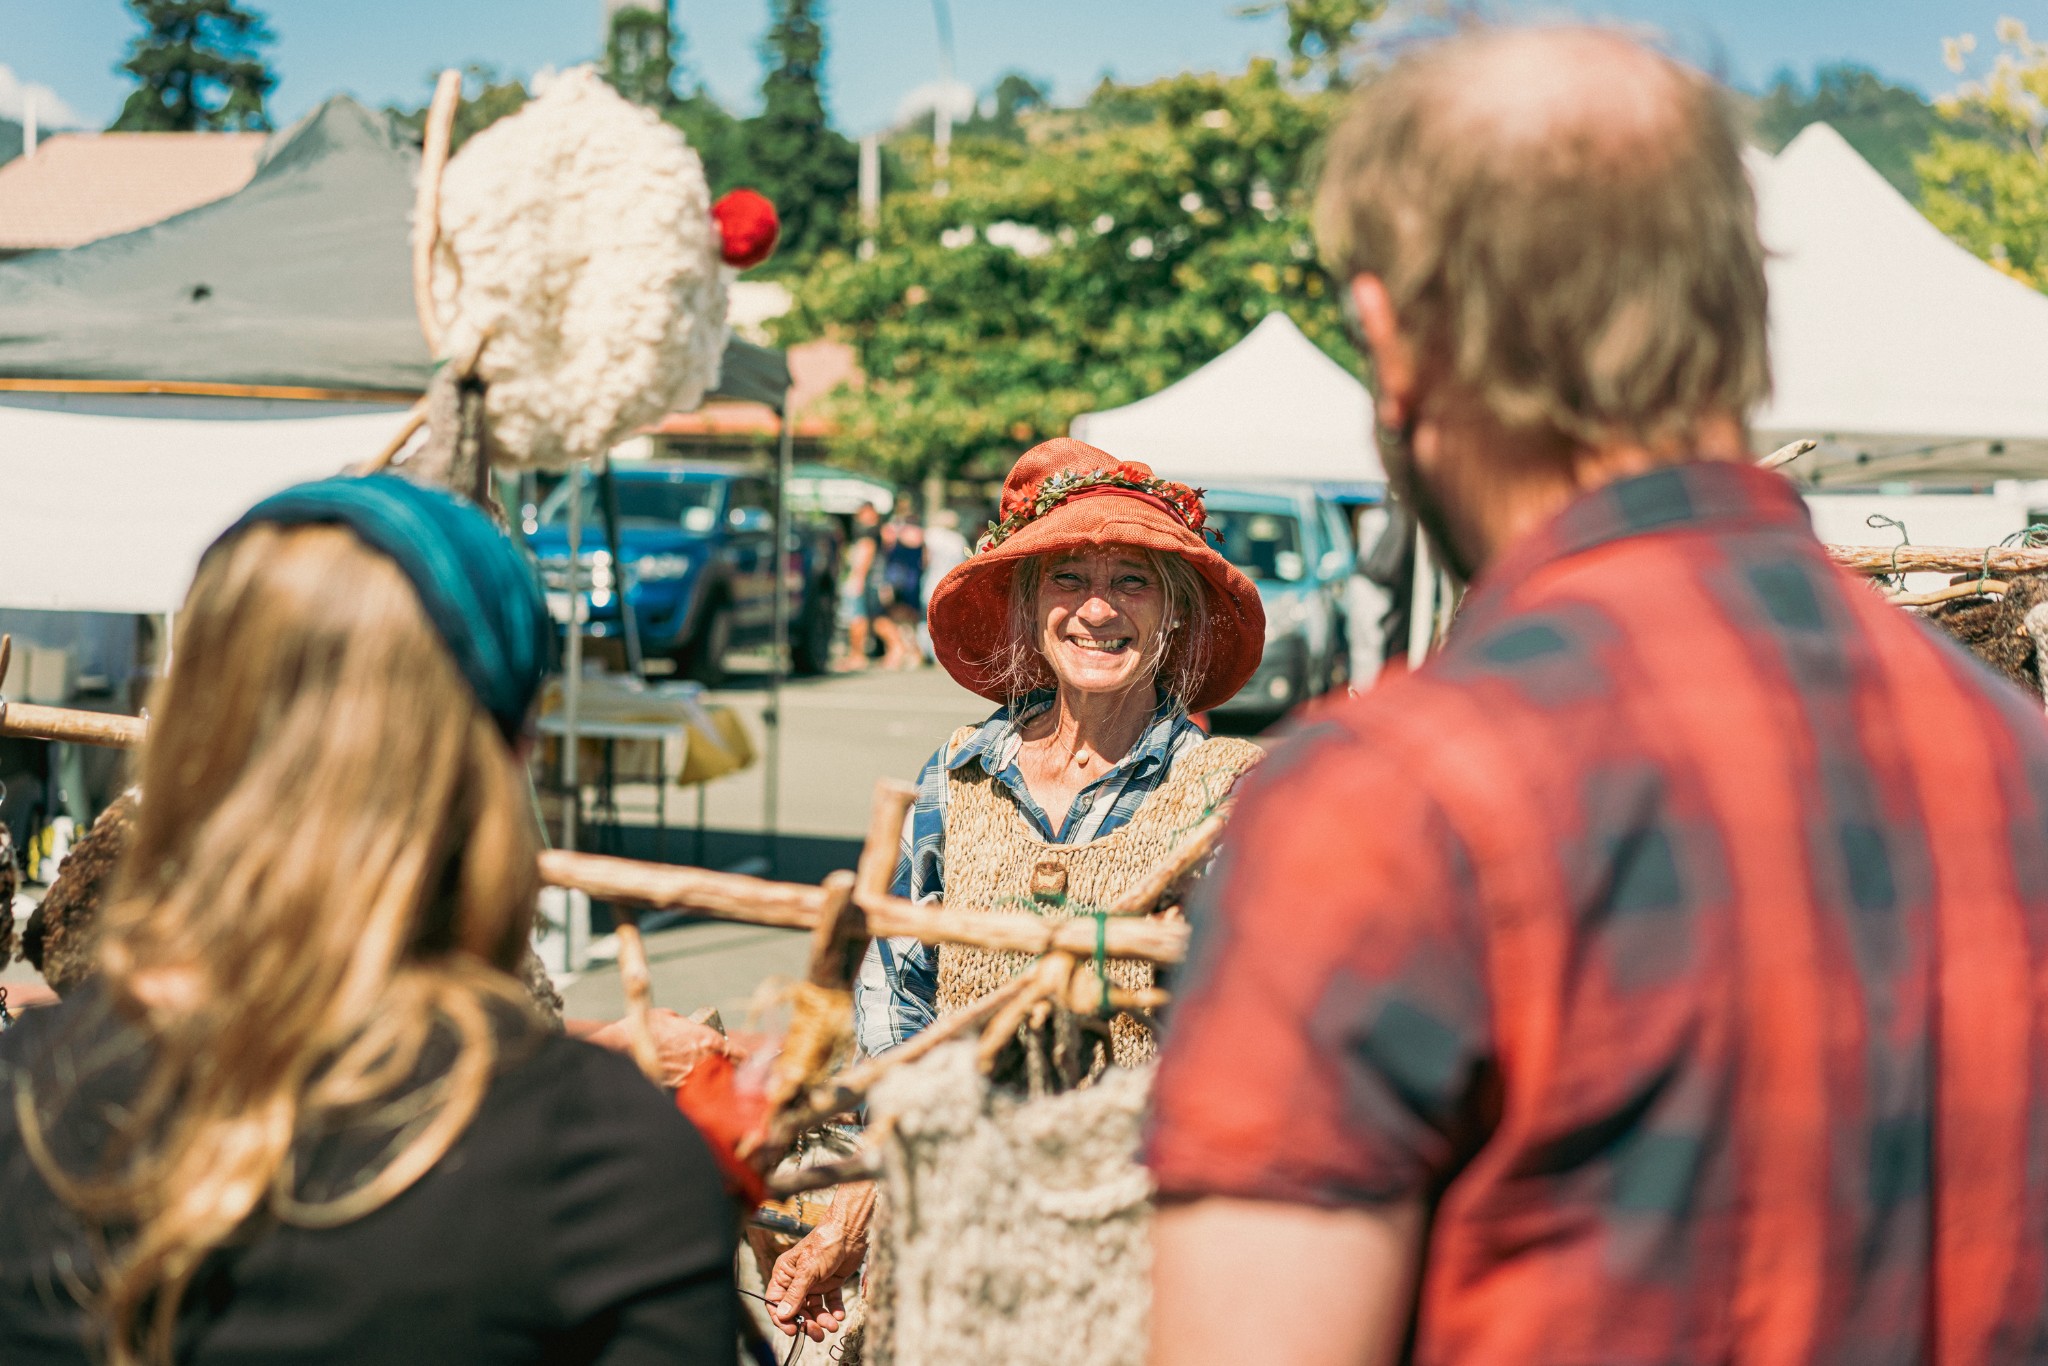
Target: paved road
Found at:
x=840, y=735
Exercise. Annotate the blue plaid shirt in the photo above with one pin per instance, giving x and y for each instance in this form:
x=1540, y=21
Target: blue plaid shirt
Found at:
x=897, y=993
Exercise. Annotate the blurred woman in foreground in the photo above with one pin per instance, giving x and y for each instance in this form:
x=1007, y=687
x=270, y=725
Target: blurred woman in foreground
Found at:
x=303, y=1111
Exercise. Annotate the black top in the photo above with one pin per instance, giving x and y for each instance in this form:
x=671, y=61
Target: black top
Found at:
x=579, y=1219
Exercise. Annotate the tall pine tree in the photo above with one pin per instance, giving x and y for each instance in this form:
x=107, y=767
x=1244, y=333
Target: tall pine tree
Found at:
x=638, y=60
x=799, y=161
x=196, y=67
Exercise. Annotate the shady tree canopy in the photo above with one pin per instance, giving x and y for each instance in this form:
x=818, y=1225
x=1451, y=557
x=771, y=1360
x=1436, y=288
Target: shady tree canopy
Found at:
x=1114, y=250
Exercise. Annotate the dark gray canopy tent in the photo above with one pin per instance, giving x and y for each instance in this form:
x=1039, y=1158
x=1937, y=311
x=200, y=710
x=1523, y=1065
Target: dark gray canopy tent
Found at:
x=300, y=280
x=296, y=287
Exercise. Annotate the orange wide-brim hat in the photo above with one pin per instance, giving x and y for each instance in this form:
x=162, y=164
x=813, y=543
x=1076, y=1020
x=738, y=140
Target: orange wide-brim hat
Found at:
x=1066, y=495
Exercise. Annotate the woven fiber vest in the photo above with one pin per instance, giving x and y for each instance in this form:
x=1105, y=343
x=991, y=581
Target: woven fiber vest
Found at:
x=997, y=865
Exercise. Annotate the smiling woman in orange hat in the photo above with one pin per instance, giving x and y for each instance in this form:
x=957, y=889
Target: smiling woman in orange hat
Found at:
x=1098, y=616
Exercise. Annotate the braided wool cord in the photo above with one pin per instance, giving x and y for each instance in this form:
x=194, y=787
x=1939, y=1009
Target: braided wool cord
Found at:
x=991, y=851
x=1018, y=1230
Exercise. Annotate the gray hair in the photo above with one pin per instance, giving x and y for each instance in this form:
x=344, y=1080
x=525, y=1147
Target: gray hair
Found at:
x=1177, y=659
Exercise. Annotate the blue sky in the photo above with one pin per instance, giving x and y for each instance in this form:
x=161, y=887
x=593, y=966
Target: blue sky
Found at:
x=884, y=50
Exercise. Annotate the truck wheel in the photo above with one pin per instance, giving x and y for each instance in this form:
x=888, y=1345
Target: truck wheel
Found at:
x=810, y=645
x=702, y=657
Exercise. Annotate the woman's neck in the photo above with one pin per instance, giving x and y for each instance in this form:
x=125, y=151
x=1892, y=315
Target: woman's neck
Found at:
x=1091, y=731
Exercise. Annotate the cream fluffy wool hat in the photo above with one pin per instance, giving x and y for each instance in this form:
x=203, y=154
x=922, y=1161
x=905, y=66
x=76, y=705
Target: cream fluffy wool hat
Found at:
x=576, y=239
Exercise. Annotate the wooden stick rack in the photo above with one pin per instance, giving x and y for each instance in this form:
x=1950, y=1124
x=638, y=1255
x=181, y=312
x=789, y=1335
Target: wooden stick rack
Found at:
x=786, y=905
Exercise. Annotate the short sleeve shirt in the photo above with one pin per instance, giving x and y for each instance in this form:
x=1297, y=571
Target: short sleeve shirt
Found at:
x=1674, y=935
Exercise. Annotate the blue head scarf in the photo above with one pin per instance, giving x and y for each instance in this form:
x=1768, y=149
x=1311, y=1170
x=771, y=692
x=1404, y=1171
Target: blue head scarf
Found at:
x=477, y=587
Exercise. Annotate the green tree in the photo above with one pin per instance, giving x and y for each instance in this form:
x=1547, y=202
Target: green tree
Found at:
x=794, y=155
x=1984, y=181
x=1015, y=94
x=1320, y=33
x=486, y=98
x=639, y=60
x=1116, y=249
x=196, y=67
x=720, y=139
x=1889, y=125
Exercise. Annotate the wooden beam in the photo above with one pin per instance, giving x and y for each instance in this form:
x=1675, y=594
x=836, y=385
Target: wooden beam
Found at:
x=73, y=726
x=1998, y=561
x=717, y=896
x=205, y=389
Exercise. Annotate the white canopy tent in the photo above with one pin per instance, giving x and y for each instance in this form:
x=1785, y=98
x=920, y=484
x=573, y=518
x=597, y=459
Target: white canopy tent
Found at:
x=1905, y=355
x=1271, y=407
x=111, y=499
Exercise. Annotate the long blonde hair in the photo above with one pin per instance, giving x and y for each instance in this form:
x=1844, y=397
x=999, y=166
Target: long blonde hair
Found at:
x=333, y=866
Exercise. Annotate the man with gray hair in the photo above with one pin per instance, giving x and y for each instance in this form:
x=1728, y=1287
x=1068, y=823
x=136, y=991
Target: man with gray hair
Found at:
x=1651, y=976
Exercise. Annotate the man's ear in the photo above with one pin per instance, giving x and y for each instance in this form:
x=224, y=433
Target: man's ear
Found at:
x=1392, y=356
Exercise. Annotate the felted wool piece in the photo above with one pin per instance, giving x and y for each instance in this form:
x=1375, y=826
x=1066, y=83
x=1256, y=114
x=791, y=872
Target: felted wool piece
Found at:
x=578, y=235
x=1996, y=629
x=1015, y=1230
x=62, y=937
x=64, y=931
x=9, y=882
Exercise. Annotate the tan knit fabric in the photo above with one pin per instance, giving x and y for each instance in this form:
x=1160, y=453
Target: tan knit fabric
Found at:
x=994, y=859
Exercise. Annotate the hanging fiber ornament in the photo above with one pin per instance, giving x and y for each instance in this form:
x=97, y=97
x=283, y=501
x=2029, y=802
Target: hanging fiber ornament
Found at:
x=578, y=262
x=748, y=227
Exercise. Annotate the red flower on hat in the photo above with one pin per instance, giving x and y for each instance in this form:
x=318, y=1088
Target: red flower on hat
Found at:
x=1020, y=507
x=747, y=227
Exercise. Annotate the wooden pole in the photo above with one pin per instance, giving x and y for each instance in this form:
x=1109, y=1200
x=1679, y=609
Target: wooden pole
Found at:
x=1974, y=588
x=734, y=896
x=639, y=992
x=716, y=896
x=1786, y=453
x=1998, y=561
x=426, y=210
x=76, y=727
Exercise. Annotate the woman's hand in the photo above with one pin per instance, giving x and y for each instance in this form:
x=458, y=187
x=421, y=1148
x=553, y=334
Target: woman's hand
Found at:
x=808, y=1280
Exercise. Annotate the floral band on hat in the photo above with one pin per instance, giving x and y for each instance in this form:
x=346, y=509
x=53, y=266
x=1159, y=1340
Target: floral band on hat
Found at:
x=1022, y=508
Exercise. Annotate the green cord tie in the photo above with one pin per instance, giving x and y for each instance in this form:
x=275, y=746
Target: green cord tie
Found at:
x=1102, y=957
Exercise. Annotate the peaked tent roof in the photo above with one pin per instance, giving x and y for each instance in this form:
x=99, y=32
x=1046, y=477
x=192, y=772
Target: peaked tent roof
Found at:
x=1271, y=407
x=1906, y=355
x=300, y=279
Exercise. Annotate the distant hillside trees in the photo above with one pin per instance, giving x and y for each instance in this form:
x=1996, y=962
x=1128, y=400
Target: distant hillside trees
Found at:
x=793, y=154
x=197, y=67
x=1094, y=258
x=1889, y=125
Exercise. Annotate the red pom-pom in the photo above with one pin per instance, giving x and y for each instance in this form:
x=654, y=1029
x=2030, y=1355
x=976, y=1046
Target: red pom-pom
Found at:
x=747, y=227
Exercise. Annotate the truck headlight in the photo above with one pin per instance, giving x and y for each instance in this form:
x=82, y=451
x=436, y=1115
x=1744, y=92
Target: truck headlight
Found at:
x=660, y=568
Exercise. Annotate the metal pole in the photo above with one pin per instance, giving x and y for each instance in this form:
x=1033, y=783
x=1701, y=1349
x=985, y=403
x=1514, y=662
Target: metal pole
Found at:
x=1421, y=603
x=572, y=662
x=771, y=719
x=610, y=489
x=870, y=193
x=942, y=115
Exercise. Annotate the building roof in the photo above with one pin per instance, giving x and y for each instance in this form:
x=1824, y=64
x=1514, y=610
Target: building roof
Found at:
x=80, y=187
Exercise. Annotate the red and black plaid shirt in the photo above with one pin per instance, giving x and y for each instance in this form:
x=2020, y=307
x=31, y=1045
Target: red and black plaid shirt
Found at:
x=1679, y=933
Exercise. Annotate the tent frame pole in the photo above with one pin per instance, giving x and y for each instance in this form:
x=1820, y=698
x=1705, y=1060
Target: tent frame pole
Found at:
x=578, y=945
x=1421, y=602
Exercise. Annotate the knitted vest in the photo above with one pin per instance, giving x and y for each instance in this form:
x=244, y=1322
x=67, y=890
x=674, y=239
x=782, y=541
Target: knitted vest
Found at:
x=997, y=865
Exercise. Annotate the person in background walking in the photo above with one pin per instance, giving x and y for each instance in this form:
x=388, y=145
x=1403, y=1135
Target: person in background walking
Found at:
x=1655, y=974
x=944, y=547
x=858, y=601
x=902, y=575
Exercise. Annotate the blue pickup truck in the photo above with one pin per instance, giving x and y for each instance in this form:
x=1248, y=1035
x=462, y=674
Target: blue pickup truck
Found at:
x=698, y=566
